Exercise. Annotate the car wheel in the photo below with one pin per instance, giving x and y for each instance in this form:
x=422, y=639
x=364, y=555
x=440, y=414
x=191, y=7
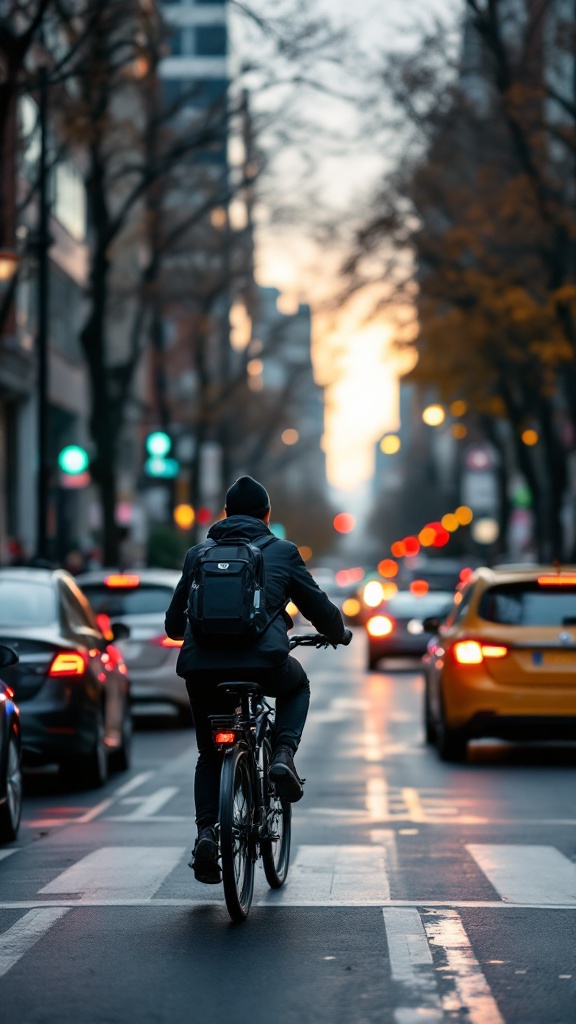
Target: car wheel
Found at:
x=429, y=724
x=12, y=808
x=122, y=758
x=451, y=744
x=91, y=770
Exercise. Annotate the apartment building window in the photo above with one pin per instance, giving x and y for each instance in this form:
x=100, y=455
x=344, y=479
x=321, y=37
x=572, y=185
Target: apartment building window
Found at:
x=211, y=40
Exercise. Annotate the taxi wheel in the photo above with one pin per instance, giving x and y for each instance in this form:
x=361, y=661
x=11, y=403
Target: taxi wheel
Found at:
x=429, y=724
x=451, y=744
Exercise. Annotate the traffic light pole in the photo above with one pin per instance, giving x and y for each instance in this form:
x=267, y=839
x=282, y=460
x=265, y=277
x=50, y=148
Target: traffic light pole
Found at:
x=42, y=245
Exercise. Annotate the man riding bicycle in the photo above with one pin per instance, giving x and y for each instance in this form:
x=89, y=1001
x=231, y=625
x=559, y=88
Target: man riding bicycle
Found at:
x=265, y=662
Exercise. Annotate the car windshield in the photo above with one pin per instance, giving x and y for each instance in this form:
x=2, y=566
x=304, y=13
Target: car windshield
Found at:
x=141, y=600
x=419, y=607
x=529, y=604
x=27, y=603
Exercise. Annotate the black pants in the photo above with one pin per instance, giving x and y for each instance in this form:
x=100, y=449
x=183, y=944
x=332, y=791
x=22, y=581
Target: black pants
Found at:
x=288, y=684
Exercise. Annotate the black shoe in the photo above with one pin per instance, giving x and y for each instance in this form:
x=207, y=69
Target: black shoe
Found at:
x=285, y=777
x=204, y=861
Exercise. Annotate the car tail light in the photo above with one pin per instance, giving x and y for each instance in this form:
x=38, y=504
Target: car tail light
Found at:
x=379, y=625
x=122, y=580
x=225, y=737
x=68, y=663
x=472, y=652
x=165, y=641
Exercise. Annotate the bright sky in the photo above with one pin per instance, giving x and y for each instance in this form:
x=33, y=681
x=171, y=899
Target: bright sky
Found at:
x=353, y=359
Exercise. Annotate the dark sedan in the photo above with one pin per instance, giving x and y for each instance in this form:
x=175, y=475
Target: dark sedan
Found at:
x=71, y=683
x=10, y=755
x=395, y=628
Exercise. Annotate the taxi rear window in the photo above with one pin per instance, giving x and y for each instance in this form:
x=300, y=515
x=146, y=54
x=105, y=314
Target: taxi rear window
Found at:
x=529, y=604
x=139, y=600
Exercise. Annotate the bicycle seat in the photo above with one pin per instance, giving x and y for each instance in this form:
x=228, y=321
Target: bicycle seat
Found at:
x=241, y=687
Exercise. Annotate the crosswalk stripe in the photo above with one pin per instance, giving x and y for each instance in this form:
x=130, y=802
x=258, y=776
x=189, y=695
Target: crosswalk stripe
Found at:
x=411, y=967
x=525, y=874
x=7, y=853
x=331, y=875
x=117, y=872
x=15, y=942
x=472, y=996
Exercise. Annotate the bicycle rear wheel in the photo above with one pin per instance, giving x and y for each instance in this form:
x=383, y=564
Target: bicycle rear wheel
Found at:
x=275, y=848
x=236, y=837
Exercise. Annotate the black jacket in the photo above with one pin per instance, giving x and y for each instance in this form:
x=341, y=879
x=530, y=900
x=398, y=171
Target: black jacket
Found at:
x=286, y=578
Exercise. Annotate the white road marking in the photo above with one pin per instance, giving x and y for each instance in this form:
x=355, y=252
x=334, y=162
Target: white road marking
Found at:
x=117, y=873
x=8, y=853
x=203, y=898
x=411, y=966
x=15, y=942
x=377, y=798
x=146, y=806
x=527, y=873
x=334, y=875
x=471, y=996
x=98, y=809
x=132, y=784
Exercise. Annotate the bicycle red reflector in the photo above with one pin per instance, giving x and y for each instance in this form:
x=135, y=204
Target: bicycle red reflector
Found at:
x=122, y=580
x=224, y=737
x=566, y=580
x=68, y=663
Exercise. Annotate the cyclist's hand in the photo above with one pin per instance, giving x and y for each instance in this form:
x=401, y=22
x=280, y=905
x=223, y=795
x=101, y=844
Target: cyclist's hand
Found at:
x=346, y=638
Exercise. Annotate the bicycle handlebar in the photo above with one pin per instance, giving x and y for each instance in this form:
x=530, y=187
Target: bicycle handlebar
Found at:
x=316, y=640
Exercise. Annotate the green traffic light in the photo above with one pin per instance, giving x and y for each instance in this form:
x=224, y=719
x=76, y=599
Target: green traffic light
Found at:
x=158, y=444
x=73, y=460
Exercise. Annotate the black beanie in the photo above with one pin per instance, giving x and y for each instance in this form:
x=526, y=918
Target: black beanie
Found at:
x=246, y=497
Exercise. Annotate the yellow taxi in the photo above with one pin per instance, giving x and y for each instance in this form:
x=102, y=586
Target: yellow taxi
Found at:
x=503, y=664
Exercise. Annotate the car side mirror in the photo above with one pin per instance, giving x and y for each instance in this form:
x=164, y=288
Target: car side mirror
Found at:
x=7, y=656
x=119, y=630
x=432, y=624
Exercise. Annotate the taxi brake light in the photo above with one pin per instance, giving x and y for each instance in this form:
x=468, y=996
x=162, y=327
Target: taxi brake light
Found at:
x=564, y=580
x=467, y=652
x=494, y=651
x=224, y=737
x=379, y=625
x=471, y=652
x=68, y=663
x=122, y=580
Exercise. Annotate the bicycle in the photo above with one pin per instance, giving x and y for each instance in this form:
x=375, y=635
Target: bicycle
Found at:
x=253, y=820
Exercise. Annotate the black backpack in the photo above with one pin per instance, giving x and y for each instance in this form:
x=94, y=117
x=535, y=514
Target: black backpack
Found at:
x=227, y=601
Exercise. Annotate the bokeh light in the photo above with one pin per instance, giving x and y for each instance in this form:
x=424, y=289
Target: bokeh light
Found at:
x=390, y=444
x=203, y=516
x=433, y=415
x=464, y=515
x=450, y=522
x=351, y=607
x=291, y=609
x=419, y=587
x=184, y=516
x=458, y=408
x=373, y=594
x=459, y=431
x=411, y=546
x=388, y=568
x=486, y=530
x=290, y=436
x=389, y=589
x=305, y=552
x=344, y=522
x=427, y=536
x=530, y=437
x=397, y=549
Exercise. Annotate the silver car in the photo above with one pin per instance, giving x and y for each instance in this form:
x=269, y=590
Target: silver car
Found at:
x=139, y=599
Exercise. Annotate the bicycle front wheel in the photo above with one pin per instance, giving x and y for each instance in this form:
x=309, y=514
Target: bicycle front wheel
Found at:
x=236, y=835
x=275, y=845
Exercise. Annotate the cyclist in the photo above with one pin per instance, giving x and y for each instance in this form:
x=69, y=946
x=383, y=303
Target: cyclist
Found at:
x=266, y=662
